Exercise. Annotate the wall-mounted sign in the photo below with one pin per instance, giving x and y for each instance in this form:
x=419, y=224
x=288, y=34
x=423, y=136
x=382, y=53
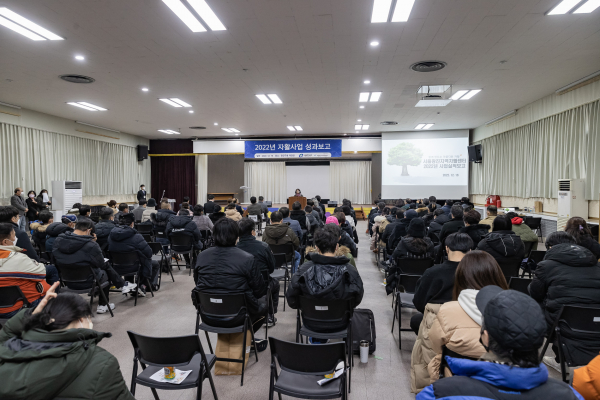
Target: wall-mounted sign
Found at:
x=293, y=148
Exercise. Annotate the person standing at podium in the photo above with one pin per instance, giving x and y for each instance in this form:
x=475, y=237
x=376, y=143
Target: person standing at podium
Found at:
x=298, y=193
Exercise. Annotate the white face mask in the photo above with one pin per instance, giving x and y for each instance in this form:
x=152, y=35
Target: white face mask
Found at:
x=32, y=195
x=90, y=324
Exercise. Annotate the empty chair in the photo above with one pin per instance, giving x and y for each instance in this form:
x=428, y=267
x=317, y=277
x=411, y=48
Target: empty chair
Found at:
x=520, y=284
x=535, y=224
x=183, y=244
x=302, y=365
x=510, y=267
x=159, y=254
x=534, y=258
x=128, y=264
x=182, y=352
x=78, y=276
x=284, y=260
x=144, y=229
x=405, y=291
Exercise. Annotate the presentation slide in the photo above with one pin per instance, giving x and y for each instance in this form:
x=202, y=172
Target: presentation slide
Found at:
x=423, y=164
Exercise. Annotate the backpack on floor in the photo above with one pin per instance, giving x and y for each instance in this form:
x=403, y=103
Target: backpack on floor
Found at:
x=363, y=328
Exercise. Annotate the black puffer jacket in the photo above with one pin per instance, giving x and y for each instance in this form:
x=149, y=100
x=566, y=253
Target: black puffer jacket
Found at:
x=300, y=216
x=503, y=245
x=400, y=230
x=81, y=250
x=214, y=217
x=347, y=228
x=568, y=275
x=124, y=239
x=476, y=232
x=589, y=243
x=408, y=248
x=186, y=225
x=326, y=278
x=346, y=240
x=103, y=229
x=52, y=232
x=228, y=270
x=436, y=225
x=160, y=219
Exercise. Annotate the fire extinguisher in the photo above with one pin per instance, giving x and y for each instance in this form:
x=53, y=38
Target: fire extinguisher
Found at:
x=499, y=202
x=487, y=201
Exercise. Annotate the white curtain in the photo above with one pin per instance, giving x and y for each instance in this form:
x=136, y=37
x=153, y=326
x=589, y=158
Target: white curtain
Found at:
x=350, y=180
x=528, y=161
x=32, y=158
x=201, y=178
x=267, y=179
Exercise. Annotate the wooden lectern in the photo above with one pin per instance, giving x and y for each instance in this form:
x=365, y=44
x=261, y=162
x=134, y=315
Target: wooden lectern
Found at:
x=294, y=199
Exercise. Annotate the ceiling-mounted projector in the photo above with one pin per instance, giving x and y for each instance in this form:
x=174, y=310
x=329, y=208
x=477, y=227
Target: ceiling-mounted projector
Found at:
x=432, y=100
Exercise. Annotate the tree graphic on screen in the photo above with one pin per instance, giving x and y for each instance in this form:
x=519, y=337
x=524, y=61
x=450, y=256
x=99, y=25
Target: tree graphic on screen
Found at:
x=405, y=154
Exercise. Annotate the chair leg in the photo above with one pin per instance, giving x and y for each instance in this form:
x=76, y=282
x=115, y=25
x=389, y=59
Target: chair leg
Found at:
x=244, y=352
x=253, y=340
x=561, y=357
x=200, y=380
x=209, y=345
x=155, y=394
x=105, y=300
x=170, y=268
x=135, y=292
x=394, y=315
x=399, y=311
x=150, y=287
x=212, y=384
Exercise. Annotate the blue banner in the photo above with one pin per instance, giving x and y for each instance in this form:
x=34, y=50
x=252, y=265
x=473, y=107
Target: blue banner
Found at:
x=293, y=148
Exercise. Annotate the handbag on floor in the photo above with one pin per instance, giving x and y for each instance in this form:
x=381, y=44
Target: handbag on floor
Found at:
x=363, y=328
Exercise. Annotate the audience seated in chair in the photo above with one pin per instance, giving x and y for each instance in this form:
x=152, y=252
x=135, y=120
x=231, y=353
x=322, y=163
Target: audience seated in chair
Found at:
x=79, y=248
x=139, y=211
x=578, y=228
x=568, y=275
x=473, y=228
x=227, y=269
x=492, y=213
x=439, y=219
x=125, y=239
x=343, y=223
x=400, y=230
x=67, y=224
x=436, y=285
x=254, y=208
x=209, y=206
x=85, y=210
x=521, y=229
x=455, y=224
x=105, y=226
x=502, y=243
x=184, y=224
x=16, y=269
x=294, y=225
x=10, y=215
x=39, y=234
x=264, y=209
x=457, y=324
x=414, y=244
x=512, y=332
x=232, y=213
x=447, y=207
x=279, y=232
x=326, y=276
x=217, y=214
x=432, y=204
x=297, y=214
x=149, y=209
x=123, y=209
x=378, y=222
x=344, y=239
x=263, y=260
x=60, y=366
x=312, y=222
x=389, y=229
x=160, y=220
x=202, y=221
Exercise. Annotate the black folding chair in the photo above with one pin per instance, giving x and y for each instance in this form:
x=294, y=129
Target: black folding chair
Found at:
x=206, y=238
x=129, y=264
x=155, y=353
x=319, y=312
x=405, y=292
x=75, y=274
x=411, y=266
x=583, y=320
x=444, y=364
x=528, y=248
x=435, y=238
x=510, y=267
x=9, y=296
x=159, y=253
x=302, y=365
x=147, y=238
x=257, y=223
x=535, y=224
x=534, y=259
x=520, y=284
x=284, y=260
x=144, y=229
x=226, y=307
x=182, y=244
x=594, y=230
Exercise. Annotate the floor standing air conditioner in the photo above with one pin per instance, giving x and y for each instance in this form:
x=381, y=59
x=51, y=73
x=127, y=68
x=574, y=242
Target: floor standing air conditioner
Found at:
x=64, y=195
x=571, y=201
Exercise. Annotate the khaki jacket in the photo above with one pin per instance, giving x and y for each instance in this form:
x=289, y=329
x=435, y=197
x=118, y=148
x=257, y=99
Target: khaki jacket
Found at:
x=233, y=214
x=423, y=352
x=488, y=221
x=453, y=328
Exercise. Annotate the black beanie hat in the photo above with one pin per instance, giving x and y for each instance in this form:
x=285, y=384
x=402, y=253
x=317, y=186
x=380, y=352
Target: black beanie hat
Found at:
x=416, y=228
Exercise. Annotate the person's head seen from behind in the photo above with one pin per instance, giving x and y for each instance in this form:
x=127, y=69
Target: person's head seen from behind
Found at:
x=457, y=245
x=226, y=232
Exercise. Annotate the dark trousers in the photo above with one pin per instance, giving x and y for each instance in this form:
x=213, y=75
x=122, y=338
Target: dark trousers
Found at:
x=51, y=274
x=275, y=286
x=415, y=322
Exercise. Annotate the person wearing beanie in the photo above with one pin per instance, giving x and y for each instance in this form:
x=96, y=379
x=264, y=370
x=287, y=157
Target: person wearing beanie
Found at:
x=332, y=220
x=66, y=224
x=400, y=230
x=512, y=331
x=149, y=209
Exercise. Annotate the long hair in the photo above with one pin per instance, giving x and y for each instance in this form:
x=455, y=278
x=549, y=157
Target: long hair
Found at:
x=578, y=228
x=60, y=312
x=476, y=270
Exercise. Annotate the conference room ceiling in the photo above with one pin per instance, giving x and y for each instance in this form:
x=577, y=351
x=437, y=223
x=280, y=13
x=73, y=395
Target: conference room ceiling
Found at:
x=314, y=54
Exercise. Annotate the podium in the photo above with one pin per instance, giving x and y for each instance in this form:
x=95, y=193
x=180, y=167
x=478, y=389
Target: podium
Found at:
x=293, y=199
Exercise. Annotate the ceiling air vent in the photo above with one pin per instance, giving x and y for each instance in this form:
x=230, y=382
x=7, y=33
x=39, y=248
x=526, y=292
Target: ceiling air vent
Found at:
x=73, y=78
x=197, y=127
x=389, y=123
x=428, y=66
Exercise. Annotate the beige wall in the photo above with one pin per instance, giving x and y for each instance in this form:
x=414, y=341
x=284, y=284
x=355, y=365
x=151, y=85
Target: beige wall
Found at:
x=550, y=205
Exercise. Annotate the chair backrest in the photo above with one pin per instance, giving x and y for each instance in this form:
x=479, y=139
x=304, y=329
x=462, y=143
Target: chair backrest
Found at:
x=537, y=255
x=11, y=295
x=520, y=284
x=408, y=282
x=74, y=273
x=594, y=230
x=533, y=222
x=144, y=228
x=220, y=305
x=583, y=319
x=253, y=217
x=124, y=261
x=280, y=251
x=319, y=310
x=434, y=237
x=528, y=248
x=169, y=351
x=447, y=352
x=156, y=247
x=181, y=241
x=509, y=266
x=147, y=237
x=306, y=358
x=414, y=266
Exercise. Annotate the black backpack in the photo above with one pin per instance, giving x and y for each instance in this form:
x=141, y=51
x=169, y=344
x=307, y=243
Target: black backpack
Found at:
x=363, y=328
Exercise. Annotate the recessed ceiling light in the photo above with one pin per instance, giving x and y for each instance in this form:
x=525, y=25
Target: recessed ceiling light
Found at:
x=263, y=98
x=588, y=7
x=165, y=131
x=173, y=132
x=345, y=134
x=207, y=15
x=375, y=97
x=291, y=128
x=420, y=126
x=144, y=89
x=366, y=82
x=227, y=130
x=365, y=127
x=25, y=27
x=458, y=94
x=374, y=43
x=470, y=94
x=381, y=11
x=191, y=111
x=359, y=120
x=361, y=107
x=357, y=127
x=171, y=103
x=361, y=127
x=180, y=102
x=433, y=103
x=363, y=97
x=402, y=10
x=87, y=106
x=275, y=99
x=298, y=127
x=563, y=7
x=234, y=130
x=185, y=15
x=216, y=124
x=80, y=58
x=428, y=126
